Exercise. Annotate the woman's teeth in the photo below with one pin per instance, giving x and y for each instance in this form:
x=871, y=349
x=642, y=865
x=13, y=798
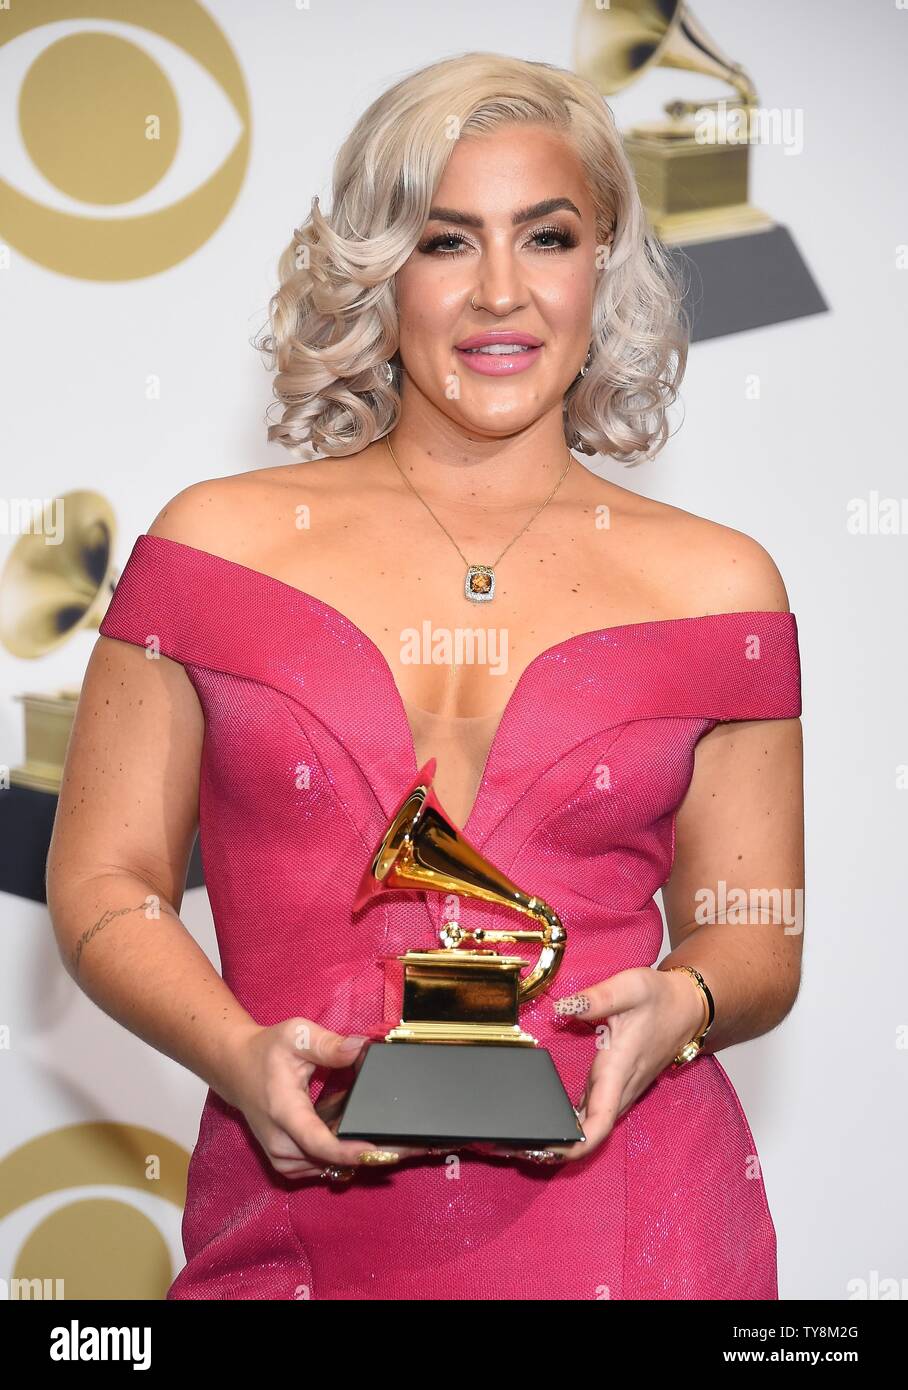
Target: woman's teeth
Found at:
x=499, y=349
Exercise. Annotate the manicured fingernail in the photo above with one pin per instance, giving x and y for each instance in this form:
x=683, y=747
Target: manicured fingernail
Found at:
x=573, y=1004
x=352, y=1044
x=378, y=1156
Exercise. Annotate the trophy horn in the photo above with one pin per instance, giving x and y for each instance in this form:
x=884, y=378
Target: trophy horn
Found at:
x=49, y=588
x=423, y=850
x=617, y=42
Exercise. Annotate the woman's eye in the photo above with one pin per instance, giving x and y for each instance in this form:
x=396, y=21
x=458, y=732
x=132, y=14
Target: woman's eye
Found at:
x=563, y=239
x=437, y=242
x=452, y=243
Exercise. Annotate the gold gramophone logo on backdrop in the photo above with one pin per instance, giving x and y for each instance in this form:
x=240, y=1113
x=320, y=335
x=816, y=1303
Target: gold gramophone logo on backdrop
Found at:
x=693, y=166
x=48, y=591
x=102, y=121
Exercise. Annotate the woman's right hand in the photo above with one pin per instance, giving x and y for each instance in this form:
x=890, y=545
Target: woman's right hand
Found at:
x=268, y=1081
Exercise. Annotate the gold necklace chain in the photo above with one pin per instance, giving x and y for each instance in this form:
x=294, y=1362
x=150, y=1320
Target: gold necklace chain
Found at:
x=479, y=585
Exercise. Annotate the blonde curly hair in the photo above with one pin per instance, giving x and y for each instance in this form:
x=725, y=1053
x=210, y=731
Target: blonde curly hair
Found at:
x=333, y=326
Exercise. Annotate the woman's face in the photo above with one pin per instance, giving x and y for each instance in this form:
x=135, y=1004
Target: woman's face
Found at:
x=513, y=227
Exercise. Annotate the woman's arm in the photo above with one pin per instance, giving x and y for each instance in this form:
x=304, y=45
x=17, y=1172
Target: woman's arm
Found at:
x=125, y=824
x=739, y=835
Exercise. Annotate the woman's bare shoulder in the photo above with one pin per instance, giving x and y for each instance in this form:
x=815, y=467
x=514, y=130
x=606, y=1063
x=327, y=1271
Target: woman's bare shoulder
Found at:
x=725, y=570
x=709, y=567
x=234, y=514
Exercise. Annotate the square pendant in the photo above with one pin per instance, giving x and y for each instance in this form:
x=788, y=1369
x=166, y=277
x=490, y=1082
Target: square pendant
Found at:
x=480, y=584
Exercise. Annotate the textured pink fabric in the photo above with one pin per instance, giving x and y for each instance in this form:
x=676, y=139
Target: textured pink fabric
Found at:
x=307, y=750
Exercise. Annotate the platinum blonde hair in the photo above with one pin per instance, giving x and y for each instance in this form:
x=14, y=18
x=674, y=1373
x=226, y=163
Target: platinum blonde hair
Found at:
x=333, y=321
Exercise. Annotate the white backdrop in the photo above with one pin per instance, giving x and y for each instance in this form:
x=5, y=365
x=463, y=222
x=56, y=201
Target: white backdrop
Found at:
x=824, y=1093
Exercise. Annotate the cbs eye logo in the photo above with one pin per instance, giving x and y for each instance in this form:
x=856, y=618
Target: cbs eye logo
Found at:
x=92, y=1210
x=125, y=130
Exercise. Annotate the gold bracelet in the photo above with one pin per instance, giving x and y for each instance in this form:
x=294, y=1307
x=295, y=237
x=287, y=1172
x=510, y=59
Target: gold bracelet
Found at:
x=692, y=1049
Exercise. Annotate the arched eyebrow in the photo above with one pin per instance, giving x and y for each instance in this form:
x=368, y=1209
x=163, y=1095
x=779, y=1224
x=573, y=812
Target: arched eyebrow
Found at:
x=469, y=219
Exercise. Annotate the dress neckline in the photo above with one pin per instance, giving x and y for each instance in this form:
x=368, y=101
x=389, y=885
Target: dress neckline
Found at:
x=436, y=715
x=662, y=625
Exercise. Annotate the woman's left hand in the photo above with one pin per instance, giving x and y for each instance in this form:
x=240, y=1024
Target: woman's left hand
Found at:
x=642, y=1017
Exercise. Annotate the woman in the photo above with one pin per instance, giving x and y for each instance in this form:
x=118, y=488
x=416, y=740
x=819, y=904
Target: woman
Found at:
x=483, y=295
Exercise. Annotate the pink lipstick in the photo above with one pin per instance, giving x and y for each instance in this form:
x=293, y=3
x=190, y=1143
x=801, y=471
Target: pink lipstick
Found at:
x=500, y=352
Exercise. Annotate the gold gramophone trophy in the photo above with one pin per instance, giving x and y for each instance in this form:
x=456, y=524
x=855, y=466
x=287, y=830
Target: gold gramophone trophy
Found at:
x=458, y=1066
x=692, y=166
x=692, y=188
x=48, y=591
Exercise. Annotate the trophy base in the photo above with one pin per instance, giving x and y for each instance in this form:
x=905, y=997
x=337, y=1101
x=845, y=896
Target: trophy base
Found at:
x=738, y=283
x=439, y=1093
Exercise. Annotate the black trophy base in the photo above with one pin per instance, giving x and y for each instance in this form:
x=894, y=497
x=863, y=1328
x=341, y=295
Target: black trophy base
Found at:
x=452, y=1093
x=738, y=283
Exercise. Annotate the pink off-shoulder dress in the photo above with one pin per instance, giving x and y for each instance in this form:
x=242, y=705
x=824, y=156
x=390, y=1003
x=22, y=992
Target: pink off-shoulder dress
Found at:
x=306, y=753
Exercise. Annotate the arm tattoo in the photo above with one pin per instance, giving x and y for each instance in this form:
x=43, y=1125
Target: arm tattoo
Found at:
x=108, y=916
